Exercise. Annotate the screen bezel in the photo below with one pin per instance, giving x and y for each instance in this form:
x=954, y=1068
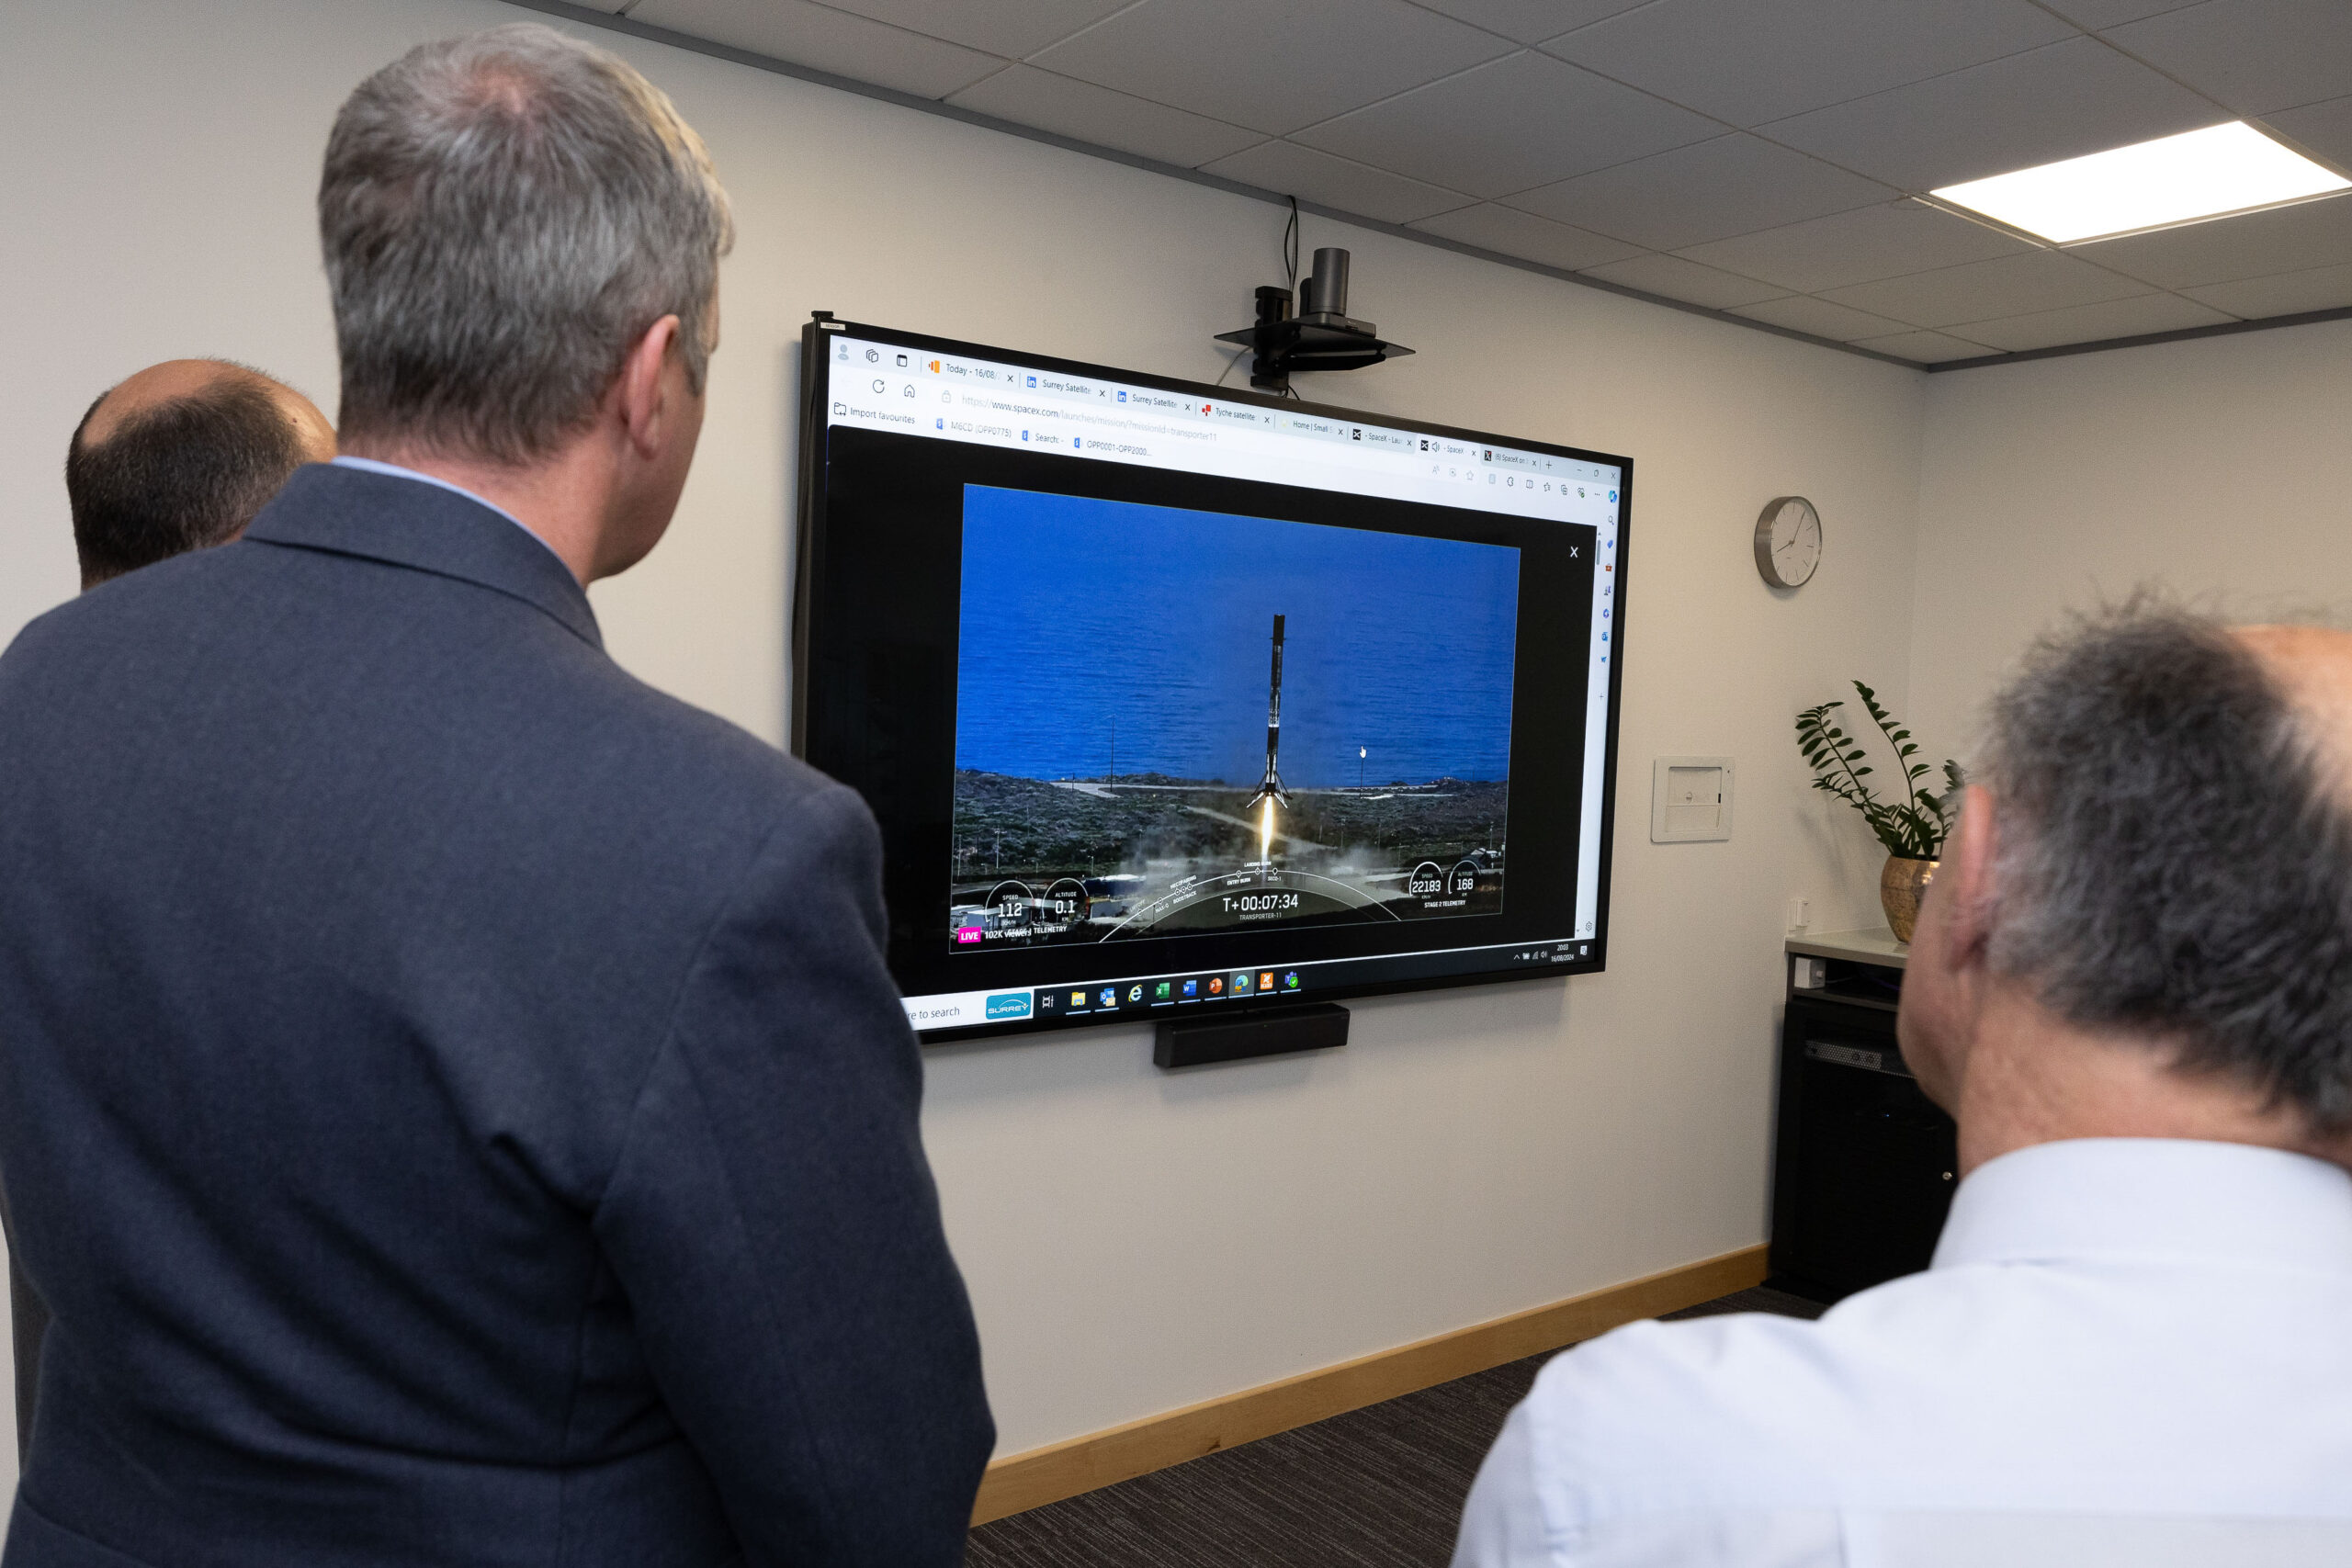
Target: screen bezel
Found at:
x=808, y=559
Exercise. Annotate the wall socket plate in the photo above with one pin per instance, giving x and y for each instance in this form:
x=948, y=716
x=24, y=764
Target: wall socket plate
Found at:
x=1690, y=799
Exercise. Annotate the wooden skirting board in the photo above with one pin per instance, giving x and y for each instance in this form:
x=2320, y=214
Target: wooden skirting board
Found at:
x=1061, y=1470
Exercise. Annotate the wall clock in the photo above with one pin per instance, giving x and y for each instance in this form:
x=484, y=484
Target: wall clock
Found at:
x=1788, y=542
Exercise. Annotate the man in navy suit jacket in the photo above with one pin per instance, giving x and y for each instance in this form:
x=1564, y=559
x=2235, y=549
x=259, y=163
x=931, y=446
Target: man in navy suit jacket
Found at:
x=451, y=1096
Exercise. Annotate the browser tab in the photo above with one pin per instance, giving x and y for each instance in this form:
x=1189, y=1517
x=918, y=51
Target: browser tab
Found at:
x=1309, y=425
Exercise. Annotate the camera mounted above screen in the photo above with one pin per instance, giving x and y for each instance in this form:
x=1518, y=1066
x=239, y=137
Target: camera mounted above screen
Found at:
x=1321, y=336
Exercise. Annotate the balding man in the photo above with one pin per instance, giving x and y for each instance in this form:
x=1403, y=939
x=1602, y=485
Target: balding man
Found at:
x=451, y=1094
x=179, y=458
x=2132, y=983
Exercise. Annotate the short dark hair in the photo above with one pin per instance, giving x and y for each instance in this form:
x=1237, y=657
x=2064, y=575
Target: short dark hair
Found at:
x=2175, y=858
x=180, y=476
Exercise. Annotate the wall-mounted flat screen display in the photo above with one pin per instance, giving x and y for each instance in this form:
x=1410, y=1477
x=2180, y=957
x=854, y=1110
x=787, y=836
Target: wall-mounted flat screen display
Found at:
x=1168, y=697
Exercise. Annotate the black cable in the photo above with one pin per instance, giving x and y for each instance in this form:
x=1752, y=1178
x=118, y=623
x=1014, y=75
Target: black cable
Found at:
x=1290, y=246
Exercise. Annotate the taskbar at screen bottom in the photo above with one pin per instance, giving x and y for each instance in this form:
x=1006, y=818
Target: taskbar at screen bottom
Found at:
x=1154, y=997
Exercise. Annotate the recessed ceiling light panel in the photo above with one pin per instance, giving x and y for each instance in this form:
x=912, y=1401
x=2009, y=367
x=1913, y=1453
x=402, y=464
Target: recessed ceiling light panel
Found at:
x=2218, y=172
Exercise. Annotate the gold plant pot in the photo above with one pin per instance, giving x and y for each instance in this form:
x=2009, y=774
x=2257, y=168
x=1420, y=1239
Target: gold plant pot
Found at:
x=1900, y=887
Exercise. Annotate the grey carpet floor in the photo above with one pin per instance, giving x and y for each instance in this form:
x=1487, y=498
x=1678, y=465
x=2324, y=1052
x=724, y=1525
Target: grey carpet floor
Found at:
x=1380, y=1488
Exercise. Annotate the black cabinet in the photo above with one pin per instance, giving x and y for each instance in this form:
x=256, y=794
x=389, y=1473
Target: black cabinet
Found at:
x=1864, y=1164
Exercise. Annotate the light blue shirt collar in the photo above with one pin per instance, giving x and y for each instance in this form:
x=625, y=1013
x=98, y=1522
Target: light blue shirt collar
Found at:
x=2180, y=1199
x=369, y=465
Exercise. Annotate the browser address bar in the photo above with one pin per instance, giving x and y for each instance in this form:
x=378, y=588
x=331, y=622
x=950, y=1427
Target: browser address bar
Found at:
x=1082, y=413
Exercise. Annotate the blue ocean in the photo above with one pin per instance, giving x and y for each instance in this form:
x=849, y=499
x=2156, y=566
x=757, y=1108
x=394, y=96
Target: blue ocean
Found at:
x=1102, y=634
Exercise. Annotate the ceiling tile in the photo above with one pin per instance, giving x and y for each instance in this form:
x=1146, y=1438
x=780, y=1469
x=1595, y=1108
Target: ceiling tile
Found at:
x=1685, y=280
x=1732, y=184
x=1528, y=237
x=2060, y=101
x=2095, y=323
x=1001, y=27
x=1085, y=112
x=2005, y=286
x=2098, y=14
x=1765, y=60
x=1819, y=317
x=612, y=5
x=2254, y=55
x=1525, y=120
x=1926, y=348
x=2289, y=294
x=2254, y=244
x=1886, y=241
x=1289, y=169
x=1273, y=68
x=1530, y=21
x=2325, y=130
x=827, y=40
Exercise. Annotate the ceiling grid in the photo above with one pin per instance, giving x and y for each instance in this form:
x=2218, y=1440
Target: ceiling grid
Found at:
x=1763, y=158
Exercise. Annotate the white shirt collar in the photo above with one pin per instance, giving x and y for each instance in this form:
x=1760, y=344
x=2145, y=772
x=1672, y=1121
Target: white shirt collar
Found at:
x=2175, y=1199
x=369, y=465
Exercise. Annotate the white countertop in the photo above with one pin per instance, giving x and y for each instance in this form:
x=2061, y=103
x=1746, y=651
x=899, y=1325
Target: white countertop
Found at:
x=1875, y=945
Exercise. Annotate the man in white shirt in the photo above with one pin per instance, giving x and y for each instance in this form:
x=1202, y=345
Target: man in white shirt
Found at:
x=2131, y=985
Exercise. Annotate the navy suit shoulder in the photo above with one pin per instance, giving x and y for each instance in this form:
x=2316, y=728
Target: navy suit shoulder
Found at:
x=450, y=1092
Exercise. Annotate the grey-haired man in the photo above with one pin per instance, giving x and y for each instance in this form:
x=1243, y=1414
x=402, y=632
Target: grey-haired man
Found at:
x=2131, y=983
x=450, y=1093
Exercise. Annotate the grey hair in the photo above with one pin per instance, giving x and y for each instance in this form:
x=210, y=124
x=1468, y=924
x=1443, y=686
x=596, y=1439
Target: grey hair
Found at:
x=502, y=214
x=2174, y=858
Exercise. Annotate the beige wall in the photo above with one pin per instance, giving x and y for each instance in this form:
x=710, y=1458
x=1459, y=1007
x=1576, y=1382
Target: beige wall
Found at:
x=1134, y=1241
x=2220, y=469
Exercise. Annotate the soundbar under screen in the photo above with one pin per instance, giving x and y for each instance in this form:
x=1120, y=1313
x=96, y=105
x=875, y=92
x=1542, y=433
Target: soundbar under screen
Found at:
x=1167, y=697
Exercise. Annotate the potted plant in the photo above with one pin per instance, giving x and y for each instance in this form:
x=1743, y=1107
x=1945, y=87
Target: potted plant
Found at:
x=1913, y=828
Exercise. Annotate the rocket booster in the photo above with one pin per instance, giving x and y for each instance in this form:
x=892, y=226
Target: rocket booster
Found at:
x=1270, y=787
